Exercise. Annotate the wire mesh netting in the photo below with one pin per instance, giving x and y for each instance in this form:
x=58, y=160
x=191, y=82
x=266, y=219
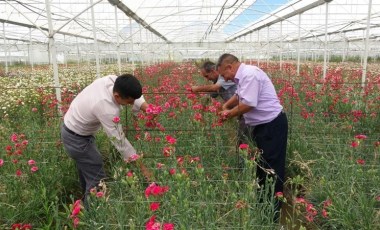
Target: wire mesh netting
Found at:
x=208, y=185
x=321, y=55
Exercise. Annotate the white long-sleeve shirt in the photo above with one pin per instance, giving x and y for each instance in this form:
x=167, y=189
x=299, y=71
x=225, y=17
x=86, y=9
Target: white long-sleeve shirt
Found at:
x=95, y=107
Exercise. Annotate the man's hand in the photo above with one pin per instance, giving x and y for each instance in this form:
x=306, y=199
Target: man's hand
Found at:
x=225, y=114
x=146, y=172
x=194, y=88
x=135, y=159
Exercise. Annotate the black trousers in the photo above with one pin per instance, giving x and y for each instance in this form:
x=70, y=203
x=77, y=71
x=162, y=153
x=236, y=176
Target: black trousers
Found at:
x=271, y=138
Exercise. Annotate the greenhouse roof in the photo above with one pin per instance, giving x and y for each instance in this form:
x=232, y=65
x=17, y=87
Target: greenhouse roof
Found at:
x=180, y=21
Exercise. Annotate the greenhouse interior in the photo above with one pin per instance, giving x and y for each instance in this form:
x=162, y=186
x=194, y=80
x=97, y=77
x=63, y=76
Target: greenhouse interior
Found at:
x=296, y=145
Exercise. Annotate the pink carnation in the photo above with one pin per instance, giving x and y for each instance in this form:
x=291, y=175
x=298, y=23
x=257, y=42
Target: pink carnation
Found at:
x=129, y=174
x=99, y=194
x=34, y=169
x=154, y=206
x=361, y=137
x=116, y=119
x=134, y=157
x=243, y=146
x=14, y=138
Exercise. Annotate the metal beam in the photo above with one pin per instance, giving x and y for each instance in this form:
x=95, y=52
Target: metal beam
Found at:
x=334, y=32
x=46, y=29
x=139, y=20
x=279, y=19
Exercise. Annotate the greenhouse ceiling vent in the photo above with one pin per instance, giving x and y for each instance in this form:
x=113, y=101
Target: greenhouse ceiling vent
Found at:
x=139, y=20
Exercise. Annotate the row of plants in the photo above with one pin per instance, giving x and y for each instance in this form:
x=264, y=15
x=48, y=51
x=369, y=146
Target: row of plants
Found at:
x=199, y=181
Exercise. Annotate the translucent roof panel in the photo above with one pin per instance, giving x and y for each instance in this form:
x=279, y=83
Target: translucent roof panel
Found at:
x=176, y=20
x=180, y=21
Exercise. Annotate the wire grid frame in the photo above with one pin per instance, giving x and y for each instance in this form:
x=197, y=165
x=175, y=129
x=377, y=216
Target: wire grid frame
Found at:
x=219, y=143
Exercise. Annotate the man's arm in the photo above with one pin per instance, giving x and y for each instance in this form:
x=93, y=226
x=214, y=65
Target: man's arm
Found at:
x=232, y=102
x=206, y=88
x=144, y=106
x=236, y=111
x=144, y=170
x=140, y=104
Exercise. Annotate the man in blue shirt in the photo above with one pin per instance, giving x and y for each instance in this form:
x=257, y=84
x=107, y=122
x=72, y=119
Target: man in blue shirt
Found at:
x=222, y=88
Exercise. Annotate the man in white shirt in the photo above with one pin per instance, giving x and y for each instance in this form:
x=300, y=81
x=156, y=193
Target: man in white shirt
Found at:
x=226, y=89
x=99, y=105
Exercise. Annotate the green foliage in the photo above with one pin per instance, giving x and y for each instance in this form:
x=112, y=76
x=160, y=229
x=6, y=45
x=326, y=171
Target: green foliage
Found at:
x=208, y=187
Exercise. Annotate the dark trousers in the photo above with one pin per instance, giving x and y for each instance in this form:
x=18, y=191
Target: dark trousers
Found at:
x=271, y=138
x=89, y=162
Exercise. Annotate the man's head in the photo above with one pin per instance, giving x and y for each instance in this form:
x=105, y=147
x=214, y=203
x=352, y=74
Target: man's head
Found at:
x=126, y=89
x=208, y=70
x=228, y=65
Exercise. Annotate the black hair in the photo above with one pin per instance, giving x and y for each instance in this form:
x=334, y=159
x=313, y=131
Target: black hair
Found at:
x=127, y=85
x=208, y=66
x=229, y=58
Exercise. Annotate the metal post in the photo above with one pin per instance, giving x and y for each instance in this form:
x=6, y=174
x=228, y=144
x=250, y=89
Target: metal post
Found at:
x=345, y=49
x=64, y=52
x=30, y=49
x=366, y=45
x=78, y=53
x=117, y=41
x=299, y=45
x=147, y=53
x=326, y=43
x=5, y=50
x=53, y=57
x=259, y=48
x=95, y=40
x=267, y=49
x=141, y=54
x=280, y=45
x=132, y=52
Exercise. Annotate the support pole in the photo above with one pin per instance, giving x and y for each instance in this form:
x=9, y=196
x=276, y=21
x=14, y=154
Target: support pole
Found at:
x=65, y=53
x=345, y=49
x=267, y=49
x=366, y=45
x=326, y=43
x=5, y=50
x=30, y=49
x=95, y=41
x=250, y=49
x=259, y=48
x=117, y=41
x=299, y=45
x=132, y=58
x=281, y=45
x=78, y=53
x=53, y=57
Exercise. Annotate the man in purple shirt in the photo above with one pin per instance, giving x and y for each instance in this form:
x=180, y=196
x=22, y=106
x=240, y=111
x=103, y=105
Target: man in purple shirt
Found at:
x=266, y=124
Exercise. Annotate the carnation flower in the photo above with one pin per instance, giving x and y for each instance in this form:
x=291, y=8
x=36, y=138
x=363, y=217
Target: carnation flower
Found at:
x=116, y=119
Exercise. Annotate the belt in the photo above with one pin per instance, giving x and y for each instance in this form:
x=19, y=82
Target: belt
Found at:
x=73, y=133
